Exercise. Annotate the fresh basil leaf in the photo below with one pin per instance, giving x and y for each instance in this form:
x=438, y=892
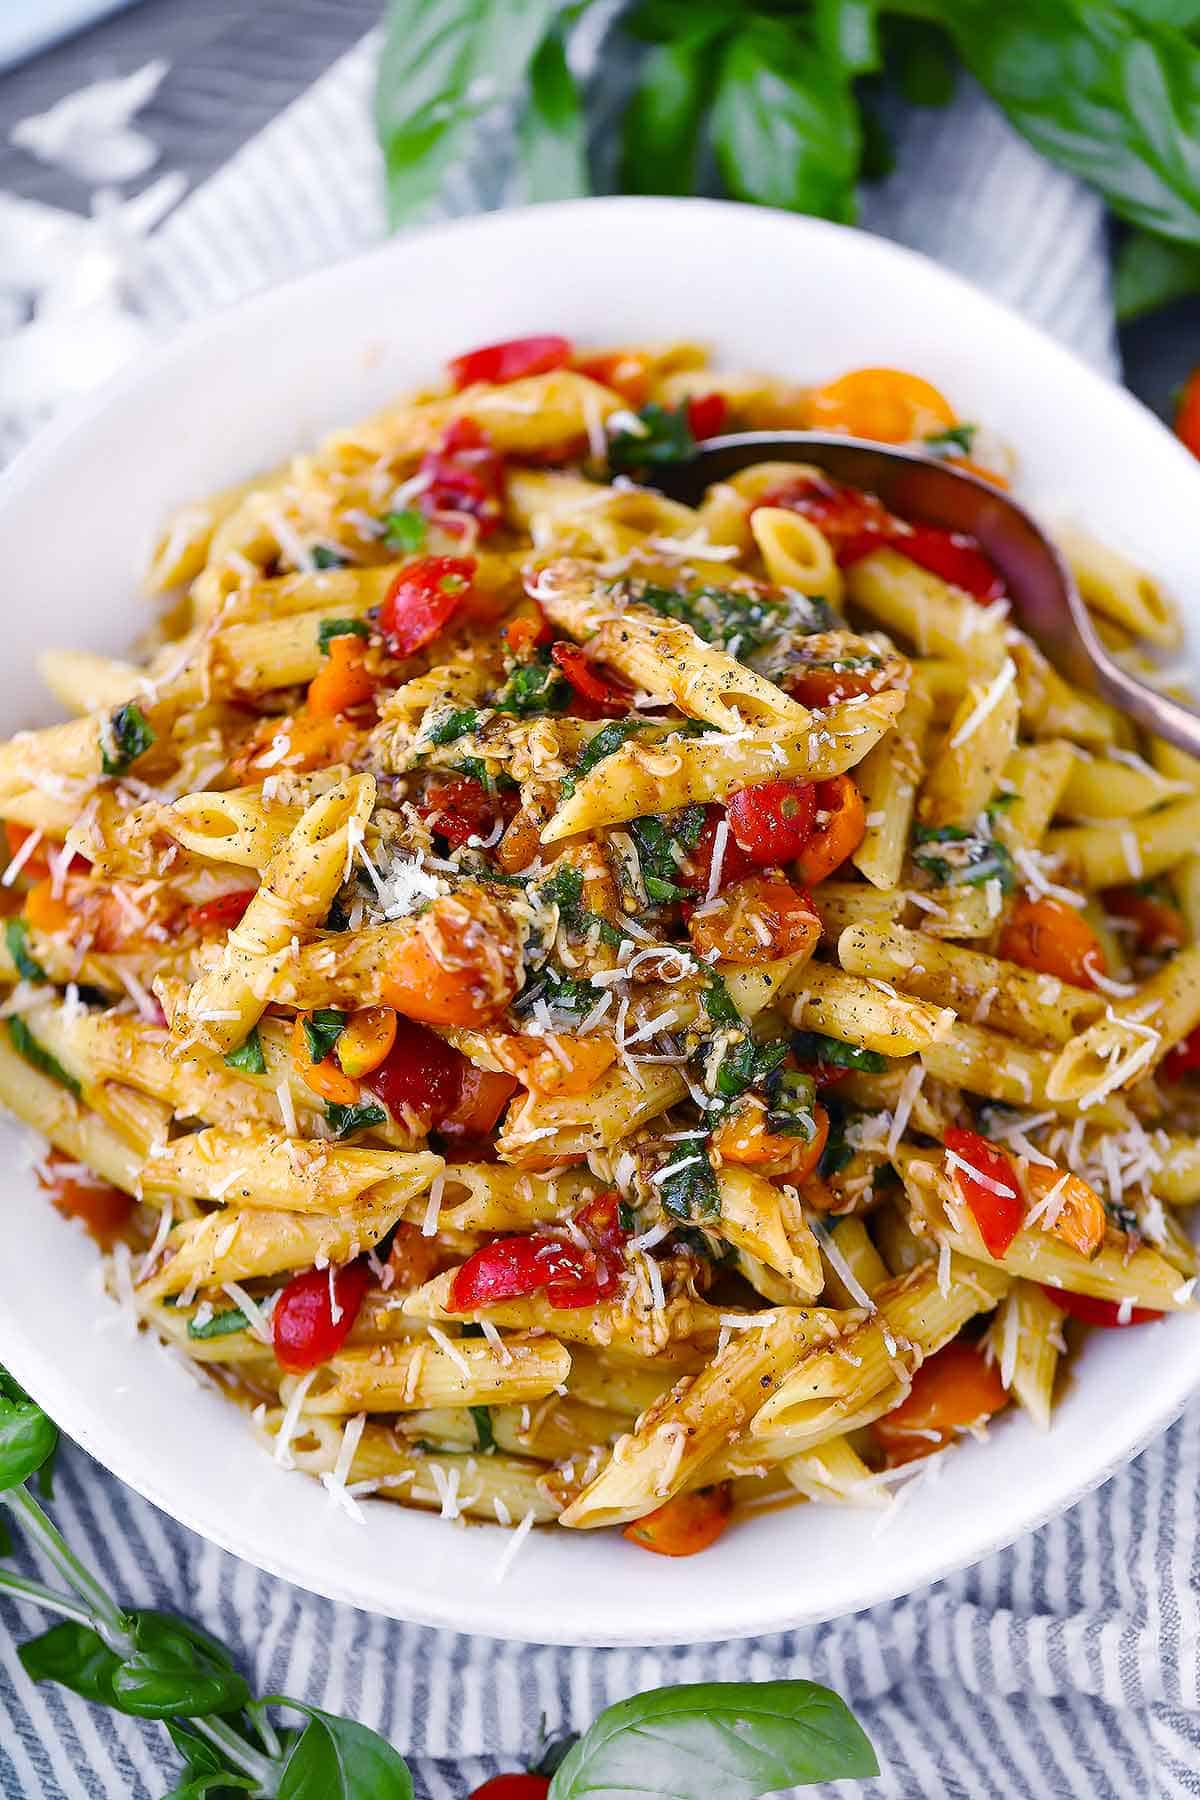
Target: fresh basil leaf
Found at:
x=837, y=1152
x=344, y=1121
x=16, y=936
x=76, y=1657
x=785, y=126
x=687, y=22
x=220, y=1784
x=336, y=1759
x=747, y=1065
x=1150, y=272
x=922, y=59
x=532, y=688
x=453, y=725
x=717, y=1003
x=812, y=1047
x=405, y=530
x=661, y=127
x=27, y=1436
x=607, y=741
x=626, y=1217
x=664, y=436
x=791, y=1097
x=322, y=1029
x=249, y=1055
x=484, y=1435
x=45, y=1475
x=37, y=1055
x=738, y=1739
x=958, y=858
x=206, y=1770
x=848, y=32
x=329, y=629
x=444, y=63
x=126, y=735
x=175, y=1670
x=551, y=129
x=220, y=1325
x=324, y=556
x=689, y=1192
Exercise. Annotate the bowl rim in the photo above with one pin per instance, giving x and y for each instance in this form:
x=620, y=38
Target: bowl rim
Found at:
x=487, y=1613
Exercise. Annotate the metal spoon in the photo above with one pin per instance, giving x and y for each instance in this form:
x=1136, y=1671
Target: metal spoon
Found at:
x=1045, y=601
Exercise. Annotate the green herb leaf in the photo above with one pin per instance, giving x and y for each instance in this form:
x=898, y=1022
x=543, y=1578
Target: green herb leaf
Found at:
x=1151, y=272
x=207, y=1771
x=606, y=742
x=848, y=32
x=324, y=556
x=689, y=1193
x=656, y=841
x=453, y=725
x=785, y=126
x=717, y=1003
x=533, y=688
x=16, y=936
x=923, y=61
x=406, y=529
x=747, y=1065
x=126, y=736
x=345, y=1120
x=322, y=1029
x=174, y=1669
x=249, y=1055
x=336, y=1759
x=956, y=440
x=220, y=1325
x=76, y=1657
x=958, y=858
x=666, y=438
x=551, y=129
x=37, y=1055
x=661, y=127
x=791, y=1097
x=484, y=1434
x=735, y=1739
x=812, y=1047
x=27, y=1437
x=329, y=629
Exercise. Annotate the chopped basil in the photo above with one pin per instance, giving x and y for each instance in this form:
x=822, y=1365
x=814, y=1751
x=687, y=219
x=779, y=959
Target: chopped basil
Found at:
x=790, y=1101
x=748, y=1065
x=690, y=1192
x=626, y=1216
x=344, y=1120
x=324, y=557
x=565, y=890
x=561, y=992
x=485, y=1436
x=958, y=858
x=606, y=742
x=125, y=736
x=837, y=1152
x=717, y=1004
x=956, y=440
x=453, y=725
x=738, y=623
x=220, y=1324
x=36, y=1054
x=656, y=841
x=249, y=1056
x=322, y=1029
x=532, y=689
x=329, y=629
x=16, y=936
x=477, y=769
x=404, y=530
x=666, y=437
x=811, y=1047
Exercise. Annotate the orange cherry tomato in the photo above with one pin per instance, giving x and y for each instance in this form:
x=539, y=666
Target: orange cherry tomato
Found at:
x=324, y=1077
x=1187, y=413
x=343, y=681
x=989, y=1186
x=45, y=910
x=555, y=1064
x=413, y=1257
x=626, y=372
x=482, y=1097
x=1079, y=1218
x=37, y=863
x=744, y=1138
x=366, y=1040
x=840, y=828
x=295, y=745
x=950, y=1392
x=1160, y=924
x=460, y=966
x=887, y=405
x=756, y=920
x=685, y=1525
x=1053, y=938
x=78, y=1194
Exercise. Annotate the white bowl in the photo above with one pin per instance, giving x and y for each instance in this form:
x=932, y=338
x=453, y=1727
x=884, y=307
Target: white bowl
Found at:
x=234, y=393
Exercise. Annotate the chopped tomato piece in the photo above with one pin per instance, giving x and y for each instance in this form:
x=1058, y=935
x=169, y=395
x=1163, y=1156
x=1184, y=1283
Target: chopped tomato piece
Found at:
x=421, y=1076
x=987, y=1182
x=461, y=965
x=1182, y=1059
x=295, y=745
x=599, y=1219
x=707, y=415
x=847, y=516
x=422, y=600
x=45, y=910
x=513, y=1268
x=1187, y=413
x=685, y=1524
x=323, y=1077
x=953, y=557
x=343, y=681
x=513, y=1787
x=756, y=920
x=950, y=1392
x=526, y=633
x=1092, y=1311
x=1160, y=924
x=555, y=1064
x=773, y=820
x=458, y=807
x=608, y=695
x=482, y=1097
x=889, y=406
x=464, y=482
x=315, y=1314
x=816, y=686
x=510, y=360
x=413, y=1257
x=735, y=863
x=1078, y=1217
x=626, y=372
x=78, y=1194
x=1054, y=938
x=365, y=1041
x=37, y=864
x=840, y=827
x=221, y=914
x=745, y=1138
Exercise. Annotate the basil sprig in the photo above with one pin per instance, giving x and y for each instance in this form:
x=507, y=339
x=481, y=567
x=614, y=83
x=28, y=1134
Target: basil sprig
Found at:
x=127, y=734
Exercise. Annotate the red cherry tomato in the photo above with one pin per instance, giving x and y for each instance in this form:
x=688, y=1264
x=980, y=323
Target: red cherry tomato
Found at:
x=841, y=824
x=989, y=1187
x=604, y=692
x=510, y=360
x=464, y=477
x=221, y=914
x=706, y=414
x=954, y=557
x=513, y=1787
x=1090, y=1311
x=734, y=861
x=458, y=807
x=1159, y=923
x=1187, y=413
x=599, y=1219
x=512, y=1268
x=37, y=864
x=773, y=820
x=421, y=1075
x=423, y=599
x=314, y=1314
x=817, y=686
x=1183, y=1058
x=950, y=1392
x=483, y=1095
x=104, y=1209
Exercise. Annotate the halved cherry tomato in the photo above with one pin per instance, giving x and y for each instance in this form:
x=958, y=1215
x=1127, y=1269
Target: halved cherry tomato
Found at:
x=464, y=481
x=104, y=1209
x=413, y=1257
x=744, y=1138
x=819, y=686
x=1079, y=1219
x=626, y=372
x=483, y=1095
x=1160, y=924
x=1053, y=938
x=847, y=516
x=365, y=1041
x=1182, y=1059
x=889, y=406
x=988, y=1186
x=315, y=1314
x=324, y=1077
x=513, y=1787
x=45, y=910
x=37, y=863
x=221, y=914
x=296, y=744
x=840, y=827
x=599, y=1219
x=460, y=966
x=1187, y=413
x=951, y=1391
x=605, y=692
x=422, y=600
x=756, y=920
x=1092, y=1311
x=512, y=1268
x=953, y=556
x=526, y=633
x=706, y=415
x=773, y=820
x=697, y=869
x=343, y=680
x=458, y=807
x=510, y=361
x=685, y=1524
x=555, y=1064
x=421, y=1076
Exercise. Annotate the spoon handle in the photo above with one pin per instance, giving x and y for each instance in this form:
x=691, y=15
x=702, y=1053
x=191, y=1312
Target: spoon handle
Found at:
x=1156, y=712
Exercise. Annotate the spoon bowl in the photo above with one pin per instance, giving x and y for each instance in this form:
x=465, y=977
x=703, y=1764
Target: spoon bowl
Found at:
x=1042, y=593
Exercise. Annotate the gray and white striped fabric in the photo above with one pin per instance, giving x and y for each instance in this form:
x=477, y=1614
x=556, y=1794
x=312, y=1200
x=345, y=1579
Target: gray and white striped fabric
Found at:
x=1067, y=1666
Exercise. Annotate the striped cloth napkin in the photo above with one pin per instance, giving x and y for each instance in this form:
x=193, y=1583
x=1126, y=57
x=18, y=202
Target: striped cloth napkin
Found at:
x=1066, y=1666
